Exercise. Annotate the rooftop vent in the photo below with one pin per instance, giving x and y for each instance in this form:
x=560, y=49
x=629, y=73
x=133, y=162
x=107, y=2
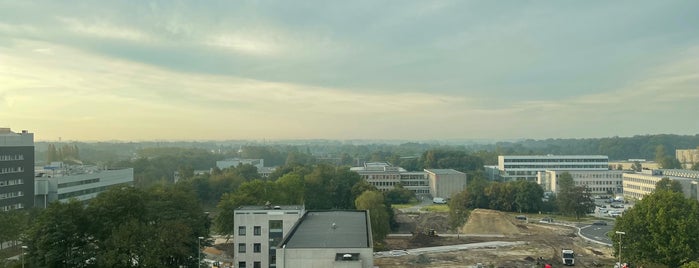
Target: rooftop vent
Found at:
x=277, y=207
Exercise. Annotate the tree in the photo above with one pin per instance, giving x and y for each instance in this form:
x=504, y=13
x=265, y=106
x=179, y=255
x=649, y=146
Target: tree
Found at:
x=695, y=166
x=636, y=166
x=373, y=202
x=667, y=184
x=571, y=199
x=528, y=196
x=458, y=210
x=399, y=195
x=662, y=228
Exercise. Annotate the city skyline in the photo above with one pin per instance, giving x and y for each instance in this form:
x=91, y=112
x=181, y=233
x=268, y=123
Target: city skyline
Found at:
x=406, y=70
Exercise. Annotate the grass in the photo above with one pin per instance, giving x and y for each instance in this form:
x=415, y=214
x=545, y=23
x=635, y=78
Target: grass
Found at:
x=436, y=208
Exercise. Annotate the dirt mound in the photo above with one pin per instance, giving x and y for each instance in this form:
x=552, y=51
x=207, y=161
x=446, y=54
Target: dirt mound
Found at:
x=490, y=222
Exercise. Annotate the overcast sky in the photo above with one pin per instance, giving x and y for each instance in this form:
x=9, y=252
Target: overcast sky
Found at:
x=416, y=70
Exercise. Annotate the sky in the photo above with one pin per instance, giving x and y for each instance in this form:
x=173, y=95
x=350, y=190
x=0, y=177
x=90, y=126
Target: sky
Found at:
x=408, y=70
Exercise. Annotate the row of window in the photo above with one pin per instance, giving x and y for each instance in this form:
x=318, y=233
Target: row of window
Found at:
x=11, y=182
x=11, y=170
x=76, y=183
x=555, y=160
x=598, y=182
x=12, y=207
x=15, y=157
x=256, y=248
x=544, y=167
x=256, y=230
x=595, y=176
x=11, y=195
x=242, y=264
x=86, y=191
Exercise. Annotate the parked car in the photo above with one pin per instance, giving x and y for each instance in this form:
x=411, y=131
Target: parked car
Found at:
x=521, y=217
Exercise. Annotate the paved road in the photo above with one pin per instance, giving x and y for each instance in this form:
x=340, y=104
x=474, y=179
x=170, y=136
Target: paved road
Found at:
x=597, y=232
x=418, y=251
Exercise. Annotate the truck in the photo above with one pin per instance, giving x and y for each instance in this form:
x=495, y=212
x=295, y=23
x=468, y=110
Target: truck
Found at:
x=568, y=257
x=439, y=200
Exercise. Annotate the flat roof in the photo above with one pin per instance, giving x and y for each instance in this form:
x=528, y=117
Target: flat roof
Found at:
x=443, y=171
x=272, y=207
x=330, y=229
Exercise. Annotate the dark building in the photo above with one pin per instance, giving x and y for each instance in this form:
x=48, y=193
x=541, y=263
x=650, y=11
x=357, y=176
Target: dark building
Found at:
x=16, y=170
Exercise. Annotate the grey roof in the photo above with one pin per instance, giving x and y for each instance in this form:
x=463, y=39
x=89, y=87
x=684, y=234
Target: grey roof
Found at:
x=443, y=171
x=281, y=207
x=330, y=229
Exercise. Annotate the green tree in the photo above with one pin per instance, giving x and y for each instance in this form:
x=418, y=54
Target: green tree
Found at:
x=694, y=264
x=571, y=199
x=667, y=184
x=374, y=202
x=636, y=166
x=695, y=166
x=662, y=228
x=399, y=195
x=528, y=196
x=458, y=210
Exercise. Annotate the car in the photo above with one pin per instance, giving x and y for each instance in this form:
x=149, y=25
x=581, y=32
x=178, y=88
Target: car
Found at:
x=603, y=223
x=521, y=217
x=546, y=220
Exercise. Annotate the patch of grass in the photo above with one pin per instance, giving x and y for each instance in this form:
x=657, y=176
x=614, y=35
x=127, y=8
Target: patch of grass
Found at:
x=436, y=208
x=399, y=206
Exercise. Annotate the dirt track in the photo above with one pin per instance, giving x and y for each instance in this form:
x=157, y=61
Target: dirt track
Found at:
x=542, y=240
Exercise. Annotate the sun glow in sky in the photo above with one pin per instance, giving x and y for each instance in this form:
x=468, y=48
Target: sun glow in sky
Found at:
x=181, y=70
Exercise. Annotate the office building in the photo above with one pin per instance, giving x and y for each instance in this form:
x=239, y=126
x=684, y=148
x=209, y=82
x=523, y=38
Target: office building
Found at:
x=687, y=157
x=604, y=182
x=234, y=162
x=527, y=167
x=445, y=182
x=385, y=177
x=62, y=183
x=16, y=170
x=258, y=231
x=637, y=185
x=329, y=239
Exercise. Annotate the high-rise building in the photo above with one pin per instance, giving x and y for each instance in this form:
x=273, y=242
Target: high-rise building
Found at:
x=16, y=169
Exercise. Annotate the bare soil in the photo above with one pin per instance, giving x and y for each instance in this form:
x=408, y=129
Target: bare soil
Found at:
x=543, y=241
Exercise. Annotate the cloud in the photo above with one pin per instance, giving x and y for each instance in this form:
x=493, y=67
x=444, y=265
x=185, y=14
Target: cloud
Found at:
x=104, y=29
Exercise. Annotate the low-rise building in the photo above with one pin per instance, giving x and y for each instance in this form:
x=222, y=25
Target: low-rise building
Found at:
x=234, y=162
x=385, y=177
x=687, y=157
x=599, y=182
x=258, y=231
x=329, y=239
x=445, y=182
x=637, y=185
x=63, y=183
x=526, y=167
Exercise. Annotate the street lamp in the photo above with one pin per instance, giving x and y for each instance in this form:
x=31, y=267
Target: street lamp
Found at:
x=620, y=233
x=199, y=251
x=22, y=248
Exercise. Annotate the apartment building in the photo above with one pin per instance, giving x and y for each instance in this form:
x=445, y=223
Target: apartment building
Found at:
x=329, y=239
x=16, y=170
x=687, y=157
x=259, y=229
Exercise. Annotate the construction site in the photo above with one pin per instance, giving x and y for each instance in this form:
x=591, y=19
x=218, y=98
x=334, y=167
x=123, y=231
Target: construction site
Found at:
x=488, y=239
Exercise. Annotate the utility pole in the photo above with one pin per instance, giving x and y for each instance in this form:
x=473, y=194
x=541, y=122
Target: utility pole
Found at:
x=620, y=233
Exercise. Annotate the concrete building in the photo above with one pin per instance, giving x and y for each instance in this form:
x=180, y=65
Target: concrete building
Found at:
x=328, y=239
x=526, y=167
x=63, y=183
x=599, y=182
x=628, y=164
x=688, y=157
x=259, y=229
x=234, y=162
x=637, y=185
x=445, y=182
x=385, y=177
x=16, y=170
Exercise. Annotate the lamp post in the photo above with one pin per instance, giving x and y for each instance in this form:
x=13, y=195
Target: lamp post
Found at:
x=22, y=248
x=620, y=233
x=199, y=251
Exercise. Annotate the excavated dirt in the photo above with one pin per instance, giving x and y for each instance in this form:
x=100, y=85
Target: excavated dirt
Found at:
x=543, y=243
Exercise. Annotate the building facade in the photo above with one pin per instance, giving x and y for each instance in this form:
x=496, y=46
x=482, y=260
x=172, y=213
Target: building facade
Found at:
x=445, y=182
x=234, y=162
x=687, y=157
x=258, y=231
x=527, y=167
x=340, y=239
x=385, y=177
x=82, y=183
x=598, y=182
x=16, y=170
x=637, y=185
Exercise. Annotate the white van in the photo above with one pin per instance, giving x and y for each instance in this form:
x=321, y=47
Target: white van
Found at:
x=439, y=200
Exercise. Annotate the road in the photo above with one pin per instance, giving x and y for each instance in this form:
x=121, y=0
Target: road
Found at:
x=597, y=232
x=418, y=251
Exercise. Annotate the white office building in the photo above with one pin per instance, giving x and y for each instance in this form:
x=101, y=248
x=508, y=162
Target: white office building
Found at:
x=598, y=182
x=234, y=162
x=258, y=231
x=385, y=177
x=63, y=183
x=637, y=185
x=527, y=167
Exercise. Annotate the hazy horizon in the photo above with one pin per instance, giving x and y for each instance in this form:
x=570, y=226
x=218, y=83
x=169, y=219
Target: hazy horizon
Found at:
x=358, y=70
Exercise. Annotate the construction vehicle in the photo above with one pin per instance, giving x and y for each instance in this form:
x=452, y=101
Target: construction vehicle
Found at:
x=568, y=257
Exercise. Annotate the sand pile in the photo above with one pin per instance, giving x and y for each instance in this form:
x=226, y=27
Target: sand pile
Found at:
x=490, y=222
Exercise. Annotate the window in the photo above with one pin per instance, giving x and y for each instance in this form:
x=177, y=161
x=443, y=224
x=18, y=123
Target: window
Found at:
x=257, y=264
x=241, y=264
x=241, y=248
x=257, y=230
x=241, y=230
x=257, y=248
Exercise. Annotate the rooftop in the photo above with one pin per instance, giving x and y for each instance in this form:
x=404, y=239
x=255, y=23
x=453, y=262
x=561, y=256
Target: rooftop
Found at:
x=272, y=207
x=11, y=139
x=443, y=171
x=330, y=229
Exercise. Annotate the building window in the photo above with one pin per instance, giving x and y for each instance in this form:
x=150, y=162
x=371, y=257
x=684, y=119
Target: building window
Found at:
x=241, y=247
x=241, y=230
x=257, y=230
x=241, y=264
x=257, y=264
x=257, y=248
